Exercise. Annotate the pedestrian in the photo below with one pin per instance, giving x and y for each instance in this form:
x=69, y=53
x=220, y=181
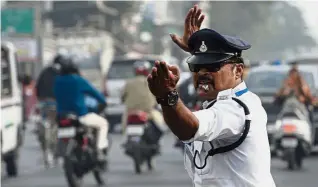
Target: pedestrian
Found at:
x=29, y=97
x=226, y=143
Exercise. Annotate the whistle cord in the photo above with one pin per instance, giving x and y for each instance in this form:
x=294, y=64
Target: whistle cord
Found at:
x=230, y=147
x=205, y=159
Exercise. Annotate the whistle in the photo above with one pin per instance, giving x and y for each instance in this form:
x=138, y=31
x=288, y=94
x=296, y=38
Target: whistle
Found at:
x=205, y=87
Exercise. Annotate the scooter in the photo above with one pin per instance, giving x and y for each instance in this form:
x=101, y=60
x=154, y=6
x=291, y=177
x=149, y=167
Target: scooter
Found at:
x=294, y=138
x=142, y=142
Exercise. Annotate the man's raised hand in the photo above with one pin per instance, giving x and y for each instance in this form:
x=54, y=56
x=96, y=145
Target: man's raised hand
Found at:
x=192, y=23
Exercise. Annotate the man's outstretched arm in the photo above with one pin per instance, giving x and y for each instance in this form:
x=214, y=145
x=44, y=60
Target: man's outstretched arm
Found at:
x=182, y=122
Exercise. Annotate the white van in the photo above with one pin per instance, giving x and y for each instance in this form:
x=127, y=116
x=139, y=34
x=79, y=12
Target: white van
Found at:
x=11, y=109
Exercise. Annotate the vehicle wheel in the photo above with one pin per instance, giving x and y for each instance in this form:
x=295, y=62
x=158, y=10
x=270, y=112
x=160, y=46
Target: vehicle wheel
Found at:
x=137, y=161
x=149, y=163
x=47, y=155
x=291, y=159
x=98, y=177
x=54, y=143
x=72, y=179
x=299, y=160
x=12, y=164
x=137, y=166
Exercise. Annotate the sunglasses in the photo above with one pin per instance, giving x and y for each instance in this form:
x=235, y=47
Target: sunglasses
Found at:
x=210, y=67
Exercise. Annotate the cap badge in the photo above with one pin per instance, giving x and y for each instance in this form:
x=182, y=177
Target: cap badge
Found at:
x=203, y=47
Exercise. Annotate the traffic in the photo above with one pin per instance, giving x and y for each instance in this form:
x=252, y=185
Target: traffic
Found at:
x=213, y=118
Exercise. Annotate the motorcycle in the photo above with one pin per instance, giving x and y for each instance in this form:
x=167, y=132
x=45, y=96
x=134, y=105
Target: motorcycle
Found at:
x=142, y=142
x=294, y=138
x=80, y=156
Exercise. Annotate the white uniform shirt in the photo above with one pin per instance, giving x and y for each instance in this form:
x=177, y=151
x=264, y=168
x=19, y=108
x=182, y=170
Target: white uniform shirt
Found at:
x=246, y=166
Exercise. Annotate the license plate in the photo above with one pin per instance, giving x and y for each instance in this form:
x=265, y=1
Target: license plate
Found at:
x=113, y=101
x=68, y=132
x=135, y=130
x=289, y=142
x=135, y=138
x=115, y=109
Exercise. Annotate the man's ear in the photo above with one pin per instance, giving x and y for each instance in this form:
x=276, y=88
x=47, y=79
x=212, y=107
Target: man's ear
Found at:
x=239, y=71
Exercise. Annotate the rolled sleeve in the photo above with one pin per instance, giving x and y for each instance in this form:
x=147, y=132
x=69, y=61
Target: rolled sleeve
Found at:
x=223, y=120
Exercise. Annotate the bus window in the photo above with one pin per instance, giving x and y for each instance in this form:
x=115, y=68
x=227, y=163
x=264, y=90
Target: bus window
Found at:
x=6, y=82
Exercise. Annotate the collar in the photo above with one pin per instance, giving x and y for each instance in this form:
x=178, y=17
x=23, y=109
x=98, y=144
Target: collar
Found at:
x=240, y=89
x=237, y=91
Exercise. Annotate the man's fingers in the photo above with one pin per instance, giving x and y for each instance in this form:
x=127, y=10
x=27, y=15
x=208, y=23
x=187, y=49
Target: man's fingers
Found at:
x=150, y=82
x=164, y=70
x=154, y=72
x=177, y=40
x=196, y=17
x=187, y=21
x=199, y=23
x=149, y=79
x=195, y=11
x=175, y=71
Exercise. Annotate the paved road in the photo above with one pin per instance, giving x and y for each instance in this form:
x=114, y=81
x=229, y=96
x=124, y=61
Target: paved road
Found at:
x=169, y=170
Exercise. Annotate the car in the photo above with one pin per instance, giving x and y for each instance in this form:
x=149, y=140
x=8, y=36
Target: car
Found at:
x=121, y=69
x=11, y=110
x=266, y=80
x=90, y=69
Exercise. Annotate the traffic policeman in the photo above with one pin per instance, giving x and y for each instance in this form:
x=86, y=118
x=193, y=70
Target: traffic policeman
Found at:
x=226, y=142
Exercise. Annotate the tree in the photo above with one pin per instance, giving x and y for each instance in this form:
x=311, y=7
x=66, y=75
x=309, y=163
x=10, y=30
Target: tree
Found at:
x=271, y=27
x=290, y=31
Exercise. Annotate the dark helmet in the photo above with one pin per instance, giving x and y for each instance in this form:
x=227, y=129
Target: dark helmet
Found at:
x=59, y=61
x=142, y=67
x=69, y=67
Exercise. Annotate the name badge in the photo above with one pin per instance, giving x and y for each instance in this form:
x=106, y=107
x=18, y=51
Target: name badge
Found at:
x=225, y=95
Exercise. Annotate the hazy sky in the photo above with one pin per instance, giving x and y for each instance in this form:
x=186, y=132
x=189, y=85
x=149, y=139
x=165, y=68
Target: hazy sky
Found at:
x=310, y=14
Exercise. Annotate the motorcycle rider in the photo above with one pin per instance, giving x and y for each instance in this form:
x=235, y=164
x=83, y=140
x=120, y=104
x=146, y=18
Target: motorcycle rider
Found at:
x=45, y=82
x=136, y=96
x=47, y=105
x=70, y=90
x=294, y=83
x=44, y=87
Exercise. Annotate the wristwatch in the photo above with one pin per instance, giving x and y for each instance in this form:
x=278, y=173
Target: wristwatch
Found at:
x=170, y=99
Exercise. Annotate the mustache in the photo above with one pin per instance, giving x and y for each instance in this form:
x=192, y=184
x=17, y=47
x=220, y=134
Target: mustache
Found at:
x=204, y=78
